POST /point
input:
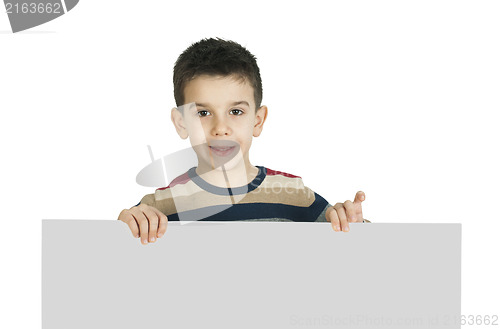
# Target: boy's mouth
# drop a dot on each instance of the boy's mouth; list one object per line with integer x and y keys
{"x": 222, "y": 151}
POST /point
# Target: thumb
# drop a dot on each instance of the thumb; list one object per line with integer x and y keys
{"x": 359, "y": 197}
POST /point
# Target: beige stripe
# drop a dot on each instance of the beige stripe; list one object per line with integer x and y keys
{"x": 148, "y": 199}
{"x": 200, "y": 200}
{"x": 178, "y": 190}
{"x": 279, "y": 181}
{"x": 166, "y": 206}
{"x": 303, "y": 197}
{"x": 189, "y": 196}
{"x": 295, "y": 197}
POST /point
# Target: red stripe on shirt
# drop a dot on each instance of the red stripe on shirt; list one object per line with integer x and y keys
{"x": 182, "y": 179}
{"x": 275, "y": 172}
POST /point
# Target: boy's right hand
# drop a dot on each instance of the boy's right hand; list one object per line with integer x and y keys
{"x": 145, "y": 221}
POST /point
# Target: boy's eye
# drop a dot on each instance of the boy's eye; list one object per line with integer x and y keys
{"x": 203, "y": 113}
{"x": 236, "y": 112}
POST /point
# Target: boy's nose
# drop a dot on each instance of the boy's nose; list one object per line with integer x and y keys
{"x": 220, "y": 128}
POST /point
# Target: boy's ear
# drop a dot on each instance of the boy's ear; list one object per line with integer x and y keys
{"x": 260, "y": 118}
{"x": 178, "y": 121}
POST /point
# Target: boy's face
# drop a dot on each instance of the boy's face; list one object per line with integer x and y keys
{"x": 220, "y": 120}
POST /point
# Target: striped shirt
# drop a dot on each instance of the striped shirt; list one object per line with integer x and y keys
{"x": 271, "y": 196}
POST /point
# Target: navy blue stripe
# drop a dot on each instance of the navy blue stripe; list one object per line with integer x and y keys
{"x": 225, "y": 191}
{"x": 254, "y": 211}
{"x": 318, "y": 205}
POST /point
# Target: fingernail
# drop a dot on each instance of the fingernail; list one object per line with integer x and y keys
{"x": 137, "y": 235}
{"x": 152, "y": 239}
{"x": 346, "y": 229}
{"x": 337, "y": 228}
{"x": 160, "y": 235}
{"x": 145, "y": 241}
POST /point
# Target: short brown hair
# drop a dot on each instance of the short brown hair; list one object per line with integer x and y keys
{"x": 216, "y": 57}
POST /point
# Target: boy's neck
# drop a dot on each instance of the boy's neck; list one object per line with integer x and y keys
{"x": 237, "y": 176}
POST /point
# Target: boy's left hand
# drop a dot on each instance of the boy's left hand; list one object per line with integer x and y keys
{"x": 342, "y": 214}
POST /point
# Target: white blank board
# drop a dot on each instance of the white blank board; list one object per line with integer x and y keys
{"x": 250, "y": 275}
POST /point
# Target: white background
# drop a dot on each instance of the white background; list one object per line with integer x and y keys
{"x": 395, "y": 98}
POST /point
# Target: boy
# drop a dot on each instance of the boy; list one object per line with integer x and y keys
{"x": 218, "y": 92}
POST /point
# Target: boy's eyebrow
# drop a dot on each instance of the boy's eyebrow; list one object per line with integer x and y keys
{"x": 232, "y": 104}
{"x": 240, "y": 102}
{"x": 202, "y": 105}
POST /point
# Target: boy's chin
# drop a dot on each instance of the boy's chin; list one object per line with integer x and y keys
{"x": 232, "y": 164}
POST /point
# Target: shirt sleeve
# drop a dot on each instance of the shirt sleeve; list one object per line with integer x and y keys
{"x": 317, "y": 210}
{"x": 322, "y": 216}
{"x": 148, "y": 199}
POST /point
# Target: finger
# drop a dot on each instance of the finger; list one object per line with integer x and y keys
{"x": 153, "y": 223}
{"x": 126, "y": 217}
{"x": 331, "y": 216}
{"x": 359, "y": 197}
{"x": 162, "y": 225}
{"x": 344, "y": 225}
{"x": 143, "y": 223}
{"x": 132, "y": 224}
{"x": 350, "y": 210}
